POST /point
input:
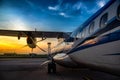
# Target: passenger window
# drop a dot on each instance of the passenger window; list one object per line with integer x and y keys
{"x": 91, "y": 27}
{"x": 103, "y": 20}
{"x": 84, "y": 31}
{"x": 118, "y": 12}
{"x": 78, "y": 35}
{"x": 82, "y": 34}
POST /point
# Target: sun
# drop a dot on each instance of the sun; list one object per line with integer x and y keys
{"x": 18, "y": 24}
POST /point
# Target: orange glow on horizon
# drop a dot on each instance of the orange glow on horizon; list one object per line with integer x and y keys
{"x": 12, "y": 44}
{"x": 92, "y": 41}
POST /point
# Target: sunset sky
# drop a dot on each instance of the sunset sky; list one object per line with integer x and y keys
{"x": 12, "y": 44}
{"x": 44, "y": 15}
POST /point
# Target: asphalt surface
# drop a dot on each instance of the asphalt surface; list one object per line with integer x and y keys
{"x": 31, "y": 69}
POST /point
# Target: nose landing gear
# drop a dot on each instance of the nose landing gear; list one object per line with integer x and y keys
{"x": 51, "y": 64}
{"x": 51, "y": 67}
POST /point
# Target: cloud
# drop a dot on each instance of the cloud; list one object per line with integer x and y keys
{"x": 29, "y": 3}
{"x": 77, "y": 6}
{"x": 66, "y": 9}
{"x": 53, "y": 8}
{"x": 86, "y": 10}
{"x": 101, "y": 3}
{"x": 63, "y": 14}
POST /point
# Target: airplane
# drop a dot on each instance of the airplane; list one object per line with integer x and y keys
{"x": 95, "y": 44}
{"x": 32, "y": 35}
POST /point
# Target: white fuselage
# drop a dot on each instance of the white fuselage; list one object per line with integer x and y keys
{"x": 101, "y": 52}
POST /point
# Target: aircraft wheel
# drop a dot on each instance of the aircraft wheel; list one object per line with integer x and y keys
{"x": 54, "y": 68}
{"x": 51, "y": 67}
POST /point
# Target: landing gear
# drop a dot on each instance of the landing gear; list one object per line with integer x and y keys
{"x": 51, "y": 64}
{"x": 51, "y": 67}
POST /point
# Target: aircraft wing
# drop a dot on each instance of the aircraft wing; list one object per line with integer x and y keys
{"x": 47, "y": 34}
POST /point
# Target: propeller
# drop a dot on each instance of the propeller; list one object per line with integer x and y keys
{"x": 24, "y": 46}
{"x": 37, "y": 45}
{"x": 32, "y": 50}
{"x": 57, "y": 44}
{"x": 65, "y": 36}
{"x": 45, "y": 62}
{"x": 41, "y": 40}
{"x": 41, "y": 48}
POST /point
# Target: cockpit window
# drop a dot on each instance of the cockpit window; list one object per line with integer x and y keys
{"x": 118, "y": 12}
{"x": 103, "y": 20}
{"x": 91, "y": 27}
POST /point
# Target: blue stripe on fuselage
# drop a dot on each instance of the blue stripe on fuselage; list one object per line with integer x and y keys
{"x": 102, "y": 40}
{"x": 114, "y": 54}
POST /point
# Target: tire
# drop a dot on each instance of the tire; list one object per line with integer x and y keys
{"x": 51, "y": 67}
{"x": 54, "y": 68}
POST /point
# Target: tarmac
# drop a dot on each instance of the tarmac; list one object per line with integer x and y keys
{"x": 31, "y": 69}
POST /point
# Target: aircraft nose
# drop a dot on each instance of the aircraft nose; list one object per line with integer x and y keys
{"x": 64, "y": 60}
{"x": 59, "y": 56}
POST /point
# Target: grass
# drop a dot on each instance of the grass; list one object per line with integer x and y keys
{"x": 23, "y": 56}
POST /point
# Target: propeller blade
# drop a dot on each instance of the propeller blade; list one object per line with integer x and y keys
{"x": 24, "y": 46}
{"x": 45, "y": 62}
{"x": 58, "y": 44}
{"x": 40, "y": 40}
{"x": 41, "y": 48}
{"x": 32, "y": 40}
{"x": 21, "y": 47}
{"x": 32, "y": 50}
